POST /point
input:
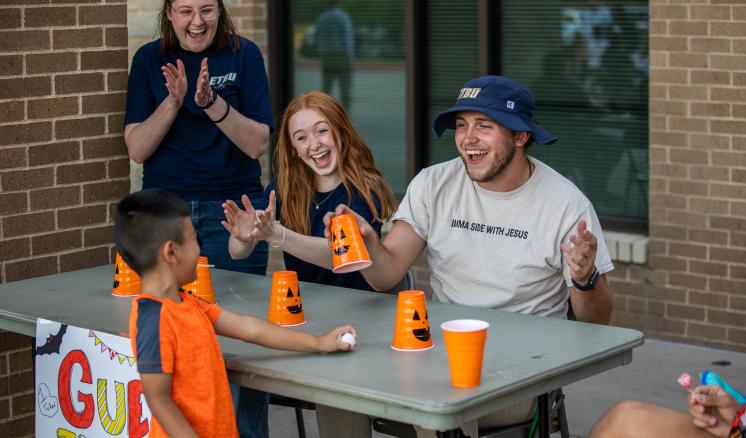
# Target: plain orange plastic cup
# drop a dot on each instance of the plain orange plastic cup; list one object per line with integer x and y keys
{"x": 202, "y": 286}
{"x": 465, "y": 340}
{"x": 285, "y": 307}
{"x": 411, "y": 328}
{"x": 126, "y": 281}
{"x": 348, "y": 249}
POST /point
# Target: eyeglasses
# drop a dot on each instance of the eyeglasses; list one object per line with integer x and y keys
{"x": 302, "y": 138}
{"x": 187, "y": 14}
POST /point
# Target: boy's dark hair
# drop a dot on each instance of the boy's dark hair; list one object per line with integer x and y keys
{"x": 143, "y": 222}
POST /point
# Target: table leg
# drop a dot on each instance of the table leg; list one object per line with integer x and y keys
{"x": 455, "y": 433}
{"x": 544, "y": 416}
{"x": 301, "y": 424}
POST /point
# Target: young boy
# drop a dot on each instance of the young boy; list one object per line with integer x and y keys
{"x": 173, "y": 333}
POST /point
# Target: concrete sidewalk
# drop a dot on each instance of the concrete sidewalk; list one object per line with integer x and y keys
{"x": 650, "y": 377}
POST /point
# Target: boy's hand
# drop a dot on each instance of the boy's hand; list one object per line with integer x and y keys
{"x": 240, "y": 223}
{"x": 157, "y": 390}
{"x": 712, "y": 409}
{"x": 331, "y": 341}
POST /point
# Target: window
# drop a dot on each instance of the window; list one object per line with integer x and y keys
{"x": 355, "y": 51}
{"x": 585, "y": 60}
{"x": 452, "y": 59}
{"x": 587, "y": 64}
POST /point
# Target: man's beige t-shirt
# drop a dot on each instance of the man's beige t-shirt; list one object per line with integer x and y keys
{"x": 499, "y": 250}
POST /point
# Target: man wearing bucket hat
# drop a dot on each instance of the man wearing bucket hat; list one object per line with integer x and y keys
{"x": 503, "y": 230}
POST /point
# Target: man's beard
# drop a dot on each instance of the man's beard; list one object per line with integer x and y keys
{"x": 496, "y": 168}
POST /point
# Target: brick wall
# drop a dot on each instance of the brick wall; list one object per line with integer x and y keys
{"x": 63, "y": 164}
{"x": 695, "y": 288}
{"x": 16, "y": 386}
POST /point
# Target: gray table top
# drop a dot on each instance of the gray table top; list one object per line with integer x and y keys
{"x": 525, "y": 355}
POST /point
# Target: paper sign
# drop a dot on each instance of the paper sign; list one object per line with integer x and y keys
{"x": 87, "y": 384}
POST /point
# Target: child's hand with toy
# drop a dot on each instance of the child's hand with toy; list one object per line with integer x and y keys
{"x": 712, "y": 405}
{"x": 712, "y": 409}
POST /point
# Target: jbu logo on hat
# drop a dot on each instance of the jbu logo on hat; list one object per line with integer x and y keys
{"x": 505, "y": 101}
{"x": 469, "y": 93}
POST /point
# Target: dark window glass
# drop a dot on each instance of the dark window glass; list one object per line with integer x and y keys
{"x": 452, "y": 59}
{"x": 587, "y": 64}
{"x": 355, "y": 51}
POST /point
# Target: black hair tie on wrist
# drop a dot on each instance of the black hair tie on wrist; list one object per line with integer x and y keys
{"x": 227, "y": 110}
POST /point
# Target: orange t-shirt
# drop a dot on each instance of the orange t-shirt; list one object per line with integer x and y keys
{"x": 179, "y": 339}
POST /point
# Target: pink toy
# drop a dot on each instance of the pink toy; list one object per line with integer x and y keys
{"x": 685, "y": 380}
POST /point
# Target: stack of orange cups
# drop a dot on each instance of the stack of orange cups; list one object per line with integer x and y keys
{"x": 126, "y": 281}
{"x": 285, "y": 307}
{"x": 348, "y": 249}
{"x": 202, "y": 286}
{"x": 412, "y": 328}
{"x": 465, "y": 340}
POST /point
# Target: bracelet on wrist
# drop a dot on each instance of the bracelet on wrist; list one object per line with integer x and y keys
{"x": 590, "y": 284}
{"x": 227, "y": 110}
{"x": 275, "y": 244}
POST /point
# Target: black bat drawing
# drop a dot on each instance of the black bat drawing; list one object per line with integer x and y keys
{"x": 53, "y": 342}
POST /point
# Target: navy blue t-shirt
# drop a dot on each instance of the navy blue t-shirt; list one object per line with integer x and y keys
{"x": 327, "y": 202}
{"x": 195, "y": 159}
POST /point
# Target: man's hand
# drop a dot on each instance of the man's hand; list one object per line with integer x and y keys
{"x": 581, "y": 255}
{"x": 366, "y": 231}
{"x": 176, "y": 82}
{"x": 712, "y": 409}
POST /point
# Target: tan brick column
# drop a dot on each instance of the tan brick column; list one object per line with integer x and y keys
{"x": 63, "y": 164}
{"x": 697, "y": 173}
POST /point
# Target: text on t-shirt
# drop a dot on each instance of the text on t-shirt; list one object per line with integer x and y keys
{"x": 489, "y": 229}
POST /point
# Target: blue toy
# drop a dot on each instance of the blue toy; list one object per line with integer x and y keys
{"x": 711, "y": 378}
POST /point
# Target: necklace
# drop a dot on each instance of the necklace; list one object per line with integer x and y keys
{"x": 318, "y": 204}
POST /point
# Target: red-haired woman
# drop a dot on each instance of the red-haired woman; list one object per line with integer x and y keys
{"x": 321, "y": 162}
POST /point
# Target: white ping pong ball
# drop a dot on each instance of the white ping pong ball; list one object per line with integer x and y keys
{"x": 348, "y": 338}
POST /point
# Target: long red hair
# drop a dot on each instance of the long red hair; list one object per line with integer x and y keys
{"x": 296, "y": 182}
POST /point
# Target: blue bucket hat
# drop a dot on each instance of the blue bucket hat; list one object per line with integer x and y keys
{"x": 503, "y": 100}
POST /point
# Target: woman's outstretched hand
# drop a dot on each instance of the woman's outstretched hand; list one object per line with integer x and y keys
{"x": 265, "y": 227}
{"x": 239, "y": 222}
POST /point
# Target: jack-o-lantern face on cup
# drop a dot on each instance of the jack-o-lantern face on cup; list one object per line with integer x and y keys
{"x": 348, "y": 250}
{"x": 412, "y": 328}
{"x": 126, "y": 281}
{"x": 339, "y": 243}
{"x": 294, "y": 299}
{"x": 285, "y": 307}
{"x": 422, "y": 333}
